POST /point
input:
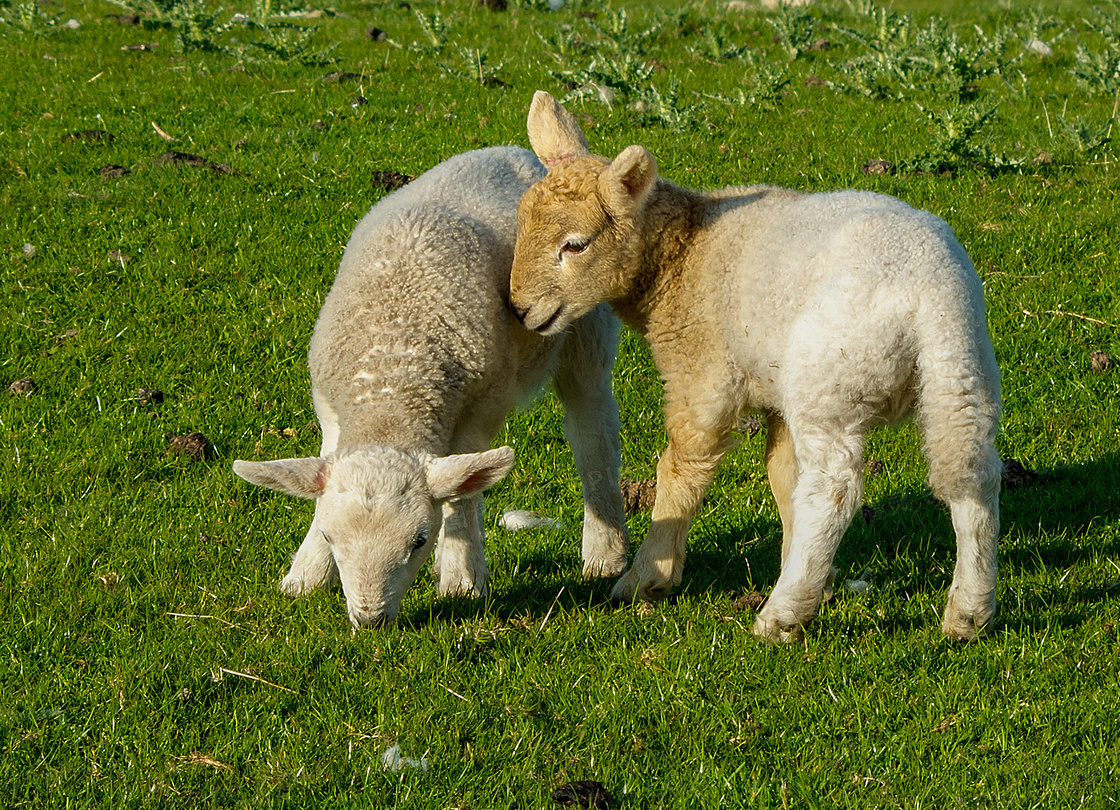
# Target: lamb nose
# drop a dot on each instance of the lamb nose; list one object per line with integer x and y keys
{"x": 518, "y": 312}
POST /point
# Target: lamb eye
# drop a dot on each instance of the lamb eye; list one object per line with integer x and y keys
{"x": 420, "y": 540}
{"x": 574, "y": 247}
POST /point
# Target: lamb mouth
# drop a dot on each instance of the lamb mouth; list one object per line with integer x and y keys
{"x": 548, "y": 323}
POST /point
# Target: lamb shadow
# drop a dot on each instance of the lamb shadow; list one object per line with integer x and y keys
{"x": 547, "y": 582}
{"x": 908, "y": 539}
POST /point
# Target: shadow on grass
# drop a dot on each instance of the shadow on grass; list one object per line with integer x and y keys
{"x": 909, "y": 542}
{"x": 549, "y": 582}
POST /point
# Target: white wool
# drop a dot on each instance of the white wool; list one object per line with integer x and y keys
{"x": 415, "y": 362}
{"x": 829, "y": 313}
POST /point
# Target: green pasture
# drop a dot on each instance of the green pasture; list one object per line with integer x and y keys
{"x": 147, "y": 657}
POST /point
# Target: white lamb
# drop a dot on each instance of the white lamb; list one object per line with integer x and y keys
{"x": 415, "y": 362}
{"x": 828, "y": 312}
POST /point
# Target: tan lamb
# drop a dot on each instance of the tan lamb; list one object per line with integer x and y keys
{"x": 415, "y": 363}
{"x": 830, "y": 313}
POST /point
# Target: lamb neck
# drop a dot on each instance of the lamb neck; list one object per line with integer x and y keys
{"x": 666, "y": 230}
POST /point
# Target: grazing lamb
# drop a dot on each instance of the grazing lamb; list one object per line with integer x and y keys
{"x": 830, "y": 313}
{"x": 415, "y": 362}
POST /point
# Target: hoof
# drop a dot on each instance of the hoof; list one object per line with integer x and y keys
{"x": 631, "y": 589}
{"x": 463, "y": 588}
{"x": 967, "y": 622}
{"x": 295, "y": 587}
{"x": 602, "y": 569}
{"x": 623, "y": 591}
{"x": 962, "y": 627}
{"x": 769, "y": 627}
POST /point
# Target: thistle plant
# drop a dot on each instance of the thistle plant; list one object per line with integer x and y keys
{"x": 1098, "y": 71}
{"x": 435, "y": 30}
{"x": 794, "y": 28}
{"x": 473, "y": 65}
{"x": 959, "y": 142}
{"x": 716, "y": 45}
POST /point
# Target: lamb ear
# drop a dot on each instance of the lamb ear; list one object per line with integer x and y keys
{"x": 626, "y": 183}
{"x": 553, "y": 132}
{"x": 302, "y": 477}
{"x": 459, "y": 476}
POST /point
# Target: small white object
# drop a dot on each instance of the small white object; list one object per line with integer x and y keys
{"x": 1040, "y": 47}
{"x": 72, "y": 24}
{"x": 514, "y": 520}
{"x": 240, "y": 19}
{"x": 860, "y": 585}
{"x": 606, "y": 94}
{"x": 555, "y": 5}
{"x": 29, "y": 250}
{"x": 392, "y": 760}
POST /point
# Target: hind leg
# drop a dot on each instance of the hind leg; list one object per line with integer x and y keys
{"x": 781, "y": 473}
{"x": 591, "y": 425}
{"x": 964, "y": 471}
{"x": 827, "y": 492}
{"x": 971, "y": 605}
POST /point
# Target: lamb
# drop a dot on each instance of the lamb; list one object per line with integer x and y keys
{"x": 828, "y": 312}
{"x": 415, "y": 362}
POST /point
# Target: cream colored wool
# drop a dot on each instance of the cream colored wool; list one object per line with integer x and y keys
{"x": 415, "y": 363}
{"x": 829, "y": 313}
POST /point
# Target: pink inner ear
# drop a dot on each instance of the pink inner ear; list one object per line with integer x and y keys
{"x": 550, "y": 162}
{"x": 320, "y": 482}
{"x": 476, "y": 480}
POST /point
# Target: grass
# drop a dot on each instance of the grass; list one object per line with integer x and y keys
{"x": 148, "y": 658}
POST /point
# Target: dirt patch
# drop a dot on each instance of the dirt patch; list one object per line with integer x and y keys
{"x": 94, "y": 135}
{"x": 148, "y": 396}
{"x": 339, "y": 76}
{"x": 751, "y": 600}
{"x": 637, "y": 496}
{"x": 113, "y": 170}
{"x": 390, "y": 180}
{"x": 878, "y": 166}
{"x": 749, "y": 425}
{"x": 376, "y": 34}
{"x": 1100, "y": 361}
{"x": 22, "y": 388}
{"x": 874, "y": 467}
{"x": 187, "y": 159}
{"x": 1016, "y": 475}
{"x": 585, "y": 793}
{"x": 142, "y": 46}
{"x": 194, "y": 445}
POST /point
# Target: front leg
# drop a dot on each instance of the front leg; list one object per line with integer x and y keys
{"x": 312, "y": 565}
{"x": 460, "y": 556}
{"x": 683, "y": 474}
{"x": 591, "y": 425}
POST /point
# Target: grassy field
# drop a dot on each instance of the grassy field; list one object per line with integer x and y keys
{"x": 146, "y": 655}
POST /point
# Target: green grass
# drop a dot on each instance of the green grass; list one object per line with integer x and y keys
{"x": 148, "y": 658}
